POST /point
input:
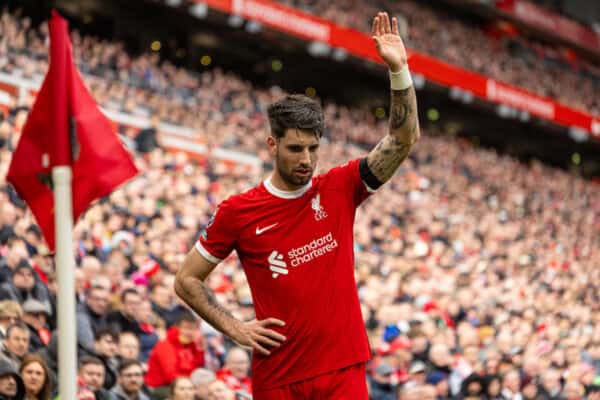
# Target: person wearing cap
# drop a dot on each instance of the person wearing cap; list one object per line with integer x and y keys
{"x": 16, "y": 345}
{"x": 439, "y": 380}
{"x": 11, "y": 383}
{"x": 24, "y": 285}
{"x": 35, "y": 317}
{"x": 417, "y": 372}
{"x": 380, "y": 383}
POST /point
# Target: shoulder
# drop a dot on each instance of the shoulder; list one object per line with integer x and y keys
{"x": 341, "y": 172}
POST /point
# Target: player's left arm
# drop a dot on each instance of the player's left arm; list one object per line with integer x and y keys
{"x": 386, "y": 157}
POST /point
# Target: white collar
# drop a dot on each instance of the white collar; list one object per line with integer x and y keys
{"x": 286, "y": 194}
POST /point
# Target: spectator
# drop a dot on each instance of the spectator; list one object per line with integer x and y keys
{"x": 380, "y": 384}
{"x": 11, "y": 384}
{"x": 124, "y": 319}
{"x": 551, "y": 387}
{"x": 16, "y": 345}
{"x": 91, "y": 317}
{"x": 131, "y": 381}
{"x": 129, "y": 346}
{"x": 573, "y": 391}
{"x": 181, "y": 389}
{"x": 105, "y": 346}
{"x": 439, "y": 380}
{"x": 91, "y": 376}
{"x": 236, "y": 369}
{"x": 10, "y": 313}
{"x": 24, "y": 286}
{"x": 36, "y": 378}
{"x": 35, "y": 317}
{"x": 201, "y": 379}
{"x": 162, "y": 303}
{"x": 511, "y": 384}
{"x": 176, "y": 355}
{"x": 218, "y": 390}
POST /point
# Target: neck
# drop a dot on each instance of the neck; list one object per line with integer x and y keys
{"x": 278, "y": 182}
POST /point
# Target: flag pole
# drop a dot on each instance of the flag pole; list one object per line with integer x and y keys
{"x": 65, "y": 264}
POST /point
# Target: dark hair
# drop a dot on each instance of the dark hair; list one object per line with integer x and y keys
{"x": 187, "y": 316}
{"x": 16, "y": 325}
{"x": 127, "y": 291}
{"x": 296, "y": 111}
{"x": 85, "y": 360}
{"x": 126, "y": 363}
{"x": 106, "y": 331}
{"x": 45, "y": 392}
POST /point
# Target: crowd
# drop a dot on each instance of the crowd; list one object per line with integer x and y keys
{"x": 478, "y": 276}
{"x": 542, "y": 69}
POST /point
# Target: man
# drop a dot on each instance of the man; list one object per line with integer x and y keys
{"x": 235, "y": 371}
{"x": 129, "y": 346}
{"x": 35, "y": 317}
{"x": 11, "y": 384}
{"x": 201, "y": 379}
{"x": 124, "y": 319}
{"x": 105, "y": 346}
{"x": 162, "y": 303}
{"x": 24, "y": 285}
{"x": 91, "y": 317}
{"x": 294, "y": 236}
{"x": 16, "y": 345}
{"x": 176, "y": 355}
{"x": 381, "y": 382}
{"x": 551, "y": 386}
{"x": 131, "y": 381}
{"x": 91, "y": 376}
{"x": 511, "y": 385}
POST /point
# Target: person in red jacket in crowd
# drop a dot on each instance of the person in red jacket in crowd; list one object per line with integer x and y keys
{"x": 235, "y": 371}
{"x": 176, "y": 355}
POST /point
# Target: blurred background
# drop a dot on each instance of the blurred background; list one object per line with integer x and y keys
{"x": 477, "y": 265}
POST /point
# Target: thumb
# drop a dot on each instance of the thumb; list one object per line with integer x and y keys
{"x": 377, "y": 42}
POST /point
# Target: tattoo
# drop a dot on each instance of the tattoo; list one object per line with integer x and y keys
{"x": 202, "y": 300}
{"x": 389, "y": 153}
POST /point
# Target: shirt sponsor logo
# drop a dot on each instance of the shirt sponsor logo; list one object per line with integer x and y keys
{"x": 314, "y": 249}
{"x": 315, "y": 204}
{"x": 277, "y": 265}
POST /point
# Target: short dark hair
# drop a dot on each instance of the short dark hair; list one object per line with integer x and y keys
{"x": 296, "y": 111}
{"x": 85, "y": 360}
{"x": 185, "y": 316}
{"x": 126, "y": 363}
{"x": 106, "y": 331}
{"x": 128, "y": 291}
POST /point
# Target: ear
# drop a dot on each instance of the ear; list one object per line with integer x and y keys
{"x": 272, "y": 143}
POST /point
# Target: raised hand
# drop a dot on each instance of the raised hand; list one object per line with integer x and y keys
{"x": 388, "y": 41}
{"x": 256, "y": 335}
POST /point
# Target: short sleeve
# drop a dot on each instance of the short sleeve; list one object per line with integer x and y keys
{"x": 218, "y": 239}
{"x": 348, "y": 175}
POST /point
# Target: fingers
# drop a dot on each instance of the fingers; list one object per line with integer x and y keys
{"x": 386, "y": 23}
{"x": 265, "y": 340}
{"x": 395, "y": 26}
{"x": 375, "y": 25}
{"x": 271, "y": 333}
{"x": 272, "y": 321}
{"x": 259, "y": 348}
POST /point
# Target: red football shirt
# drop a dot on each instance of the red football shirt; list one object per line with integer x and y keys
{"x": 297, "y": 251}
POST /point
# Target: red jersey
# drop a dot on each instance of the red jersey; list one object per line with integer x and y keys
{"x": 297, "y": 251}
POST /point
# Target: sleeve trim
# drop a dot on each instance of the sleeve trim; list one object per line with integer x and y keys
{"x": 204, "y": 253}
{"x": 366, "y": 175}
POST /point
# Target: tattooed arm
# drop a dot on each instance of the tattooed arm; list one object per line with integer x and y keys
{"x": 190, "y": 285}
{"x": 404, "y": 132}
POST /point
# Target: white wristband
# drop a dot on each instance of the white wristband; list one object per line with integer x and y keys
{"x": 401, "y": 80}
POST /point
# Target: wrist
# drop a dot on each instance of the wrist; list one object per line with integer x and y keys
{"x": 400, "y": 79}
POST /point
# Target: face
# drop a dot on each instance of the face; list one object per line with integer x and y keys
{"x": 34, "y": 377}
{"x": 184, "y": 390}
{"x": 296, "y": 156}
{"x": 92, "y": 375}
{"x": 131, "y": 304}
{"x": 98, "y": 301}
{"x": 23, "y": 279}
{"x": 187, "y": 331}
{"x": 18, "y": 342}
{"x": 129, "y": 346}
{"x": 238, "y": 363}
{"x": 106, "y": 346}
{"x": 8, "y": 319}
{"x": 131, "y": 379}
{"x": 219, "y": 391}
{"x": 8, "y": 385}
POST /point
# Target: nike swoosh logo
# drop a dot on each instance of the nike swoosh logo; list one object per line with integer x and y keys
{"x": 266, "y": 228}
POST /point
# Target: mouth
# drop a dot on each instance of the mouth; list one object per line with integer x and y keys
{"x": 302, "y": 172}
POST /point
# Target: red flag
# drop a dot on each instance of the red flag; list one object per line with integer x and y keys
{"x": 65, "y": 127}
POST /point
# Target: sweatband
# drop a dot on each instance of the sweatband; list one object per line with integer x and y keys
{"x": 401, "y": 80}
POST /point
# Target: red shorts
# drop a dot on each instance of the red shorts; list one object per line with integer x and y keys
{"x": 348, "y": 383}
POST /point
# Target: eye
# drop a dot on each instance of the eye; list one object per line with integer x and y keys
{"x": 295, "y": 148}
{"x": 313, "y": 148}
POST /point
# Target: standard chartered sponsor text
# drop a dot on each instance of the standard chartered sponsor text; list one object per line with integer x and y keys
{"x": 312, "y": 250}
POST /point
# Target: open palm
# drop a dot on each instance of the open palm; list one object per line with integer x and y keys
{"x": 388, "y": 41}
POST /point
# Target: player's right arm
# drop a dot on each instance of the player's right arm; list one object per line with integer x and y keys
{"x": 190, "y": 285}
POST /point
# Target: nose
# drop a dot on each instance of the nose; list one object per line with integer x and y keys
{"x": 305, "y": 157}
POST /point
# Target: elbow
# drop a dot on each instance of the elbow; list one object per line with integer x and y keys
{"x": 179, "y": 286}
